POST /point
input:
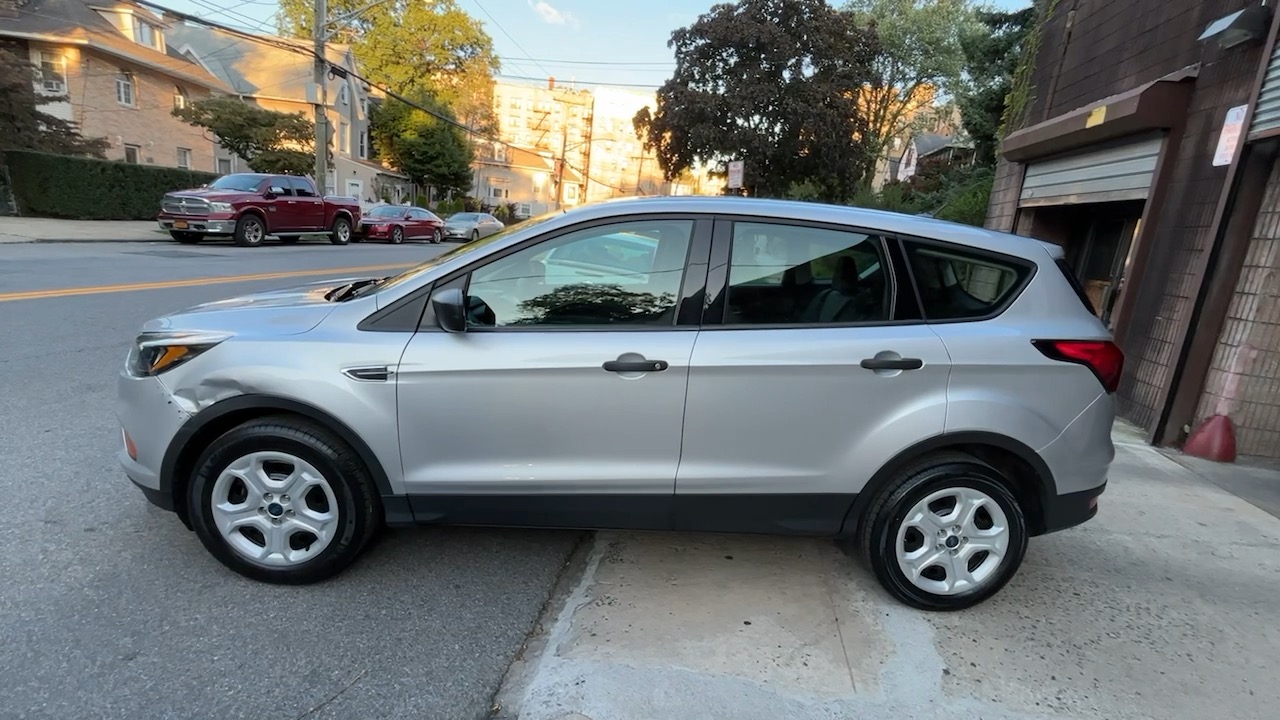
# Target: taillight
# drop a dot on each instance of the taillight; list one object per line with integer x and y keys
{"x": 1103, "y": 357}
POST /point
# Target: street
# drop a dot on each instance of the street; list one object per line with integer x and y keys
{"x": 111, "y": 608}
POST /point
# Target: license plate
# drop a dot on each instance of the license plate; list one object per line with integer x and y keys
{"x": 180, "y": 224}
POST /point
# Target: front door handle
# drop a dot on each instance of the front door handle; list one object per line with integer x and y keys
{"x": 892, "y": 363}
{"x": 635, "y": 366}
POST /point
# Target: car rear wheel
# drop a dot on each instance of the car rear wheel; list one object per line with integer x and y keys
{"x": 340, "y": 233}
{"x": 281, "y": 500}
{"x": 945, "y": 534}
{"x": 186, "y": 238}
{"x": 397, "y": 235}
{"x": 250, "y": 231}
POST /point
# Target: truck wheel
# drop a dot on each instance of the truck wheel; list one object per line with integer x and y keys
{"x": 249, "y": 231}
{"x": 341, "y": 232}
{"x": 186, "y": 238}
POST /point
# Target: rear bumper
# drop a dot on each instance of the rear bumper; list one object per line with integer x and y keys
{"x": 1065, "y": 511}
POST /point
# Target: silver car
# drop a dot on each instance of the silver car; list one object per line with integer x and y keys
{"x": 471, "y": 226}
{"x": 935, "y": 392}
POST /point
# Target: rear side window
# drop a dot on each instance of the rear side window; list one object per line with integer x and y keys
{"x": 958, "y": 285}
{"x": 1075, "y": 285}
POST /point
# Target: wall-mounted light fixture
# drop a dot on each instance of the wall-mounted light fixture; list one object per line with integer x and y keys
{"x": 1240, "y": 27}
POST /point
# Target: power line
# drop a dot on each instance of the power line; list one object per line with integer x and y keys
{"x": 661, "y": 63}
{"x": 581, "y": 82}
{"x": 509, "y": 37}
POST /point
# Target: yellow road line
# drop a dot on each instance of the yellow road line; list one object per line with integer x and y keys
{"x": 191, "y": 282}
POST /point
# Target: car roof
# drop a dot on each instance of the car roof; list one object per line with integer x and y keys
{"x": 866, "y": 218}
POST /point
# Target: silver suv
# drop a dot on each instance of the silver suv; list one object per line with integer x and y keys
{"x": 936, "y": 392}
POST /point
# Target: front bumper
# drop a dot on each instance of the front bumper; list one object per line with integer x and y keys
{"x": 149, "y": 420}
{"x": 374, "y": 233}
{"x": 208, "y": 226}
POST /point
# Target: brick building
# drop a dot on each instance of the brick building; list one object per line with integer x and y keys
{"x": 115, "y": 75}
{"x": 1149, "y": 151}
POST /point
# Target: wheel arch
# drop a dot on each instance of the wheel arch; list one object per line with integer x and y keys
{"x": 195, "y": 436}
{"x": 262, "y": 216}
{"x": 1033, "y": 482}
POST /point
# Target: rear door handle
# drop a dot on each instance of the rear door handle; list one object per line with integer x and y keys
{"x": 892, "y": 363}
{"x": 635, "y": 365}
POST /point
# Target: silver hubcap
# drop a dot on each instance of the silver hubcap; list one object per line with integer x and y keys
{"x": 952, "y": 541}
{"x": 253, "y": 231}
{"x": 344, "y": 231}
{"x": 274, "y": 509}
{"x": 397, "y": 234}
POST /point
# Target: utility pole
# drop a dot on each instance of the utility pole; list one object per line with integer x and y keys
{"x": 322, "y": 98}
{"x": 564, "y": 143}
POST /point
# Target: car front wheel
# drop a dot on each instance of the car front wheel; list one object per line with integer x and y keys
{"x": 281, "y": 500}
{"x": 249, "y": 231}
{"x": 436, "y": 236}
{"x": 945, "y": 534}
{"x": 397, "y": 235}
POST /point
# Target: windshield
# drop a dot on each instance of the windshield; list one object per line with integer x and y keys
{"x": 387, "y": 211}
{"x": 243, "y": 183}
{"x": 478, "y": 246}
{"x": 464, "y": 217}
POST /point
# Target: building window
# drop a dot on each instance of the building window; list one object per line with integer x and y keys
{"x": 132, "y": 153}
{"x": 363, "y": 137}
{"x": 53, "y": 72}
{"x": 499, "y": 193}
{"x": 180, "y": 99}
{"x": 224, "y": 166}
{"x": 344, "y": 138}
{"x": 124, "y": 89}
{"x": 499, "y": 152}
{"x": 571, "y": 193}
{"x": 342, "y": 95}
{"x": 146, "y": 34}
{"x": 184, "y": 158}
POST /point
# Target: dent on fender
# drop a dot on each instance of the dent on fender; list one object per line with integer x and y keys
{"x": 209, "y": 391}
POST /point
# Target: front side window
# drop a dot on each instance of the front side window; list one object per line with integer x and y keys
{"x": 279, "y": 186}
{"x": 625, "y": 274}
{"x": 124, "y": 89}
{"x": 53, "y": 72}
{"x": 787, "y": 274}
{"x": 955, "y": 284}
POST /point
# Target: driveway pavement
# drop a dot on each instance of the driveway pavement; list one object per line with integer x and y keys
{"x": 1165, "y": 606}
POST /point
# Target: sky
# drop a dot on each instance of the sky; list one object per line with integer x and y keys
{"x": 587, "y": 42}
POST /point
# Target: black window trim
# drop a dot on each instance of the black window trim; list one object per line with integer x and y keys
{"x": 692, "y": 288}
{"x": 1030, "y": 265}
{"x": 717, "y": 309}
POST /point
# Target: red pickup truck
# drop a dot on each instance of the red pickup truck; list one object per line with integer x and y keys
{"x": 251, "y": 206}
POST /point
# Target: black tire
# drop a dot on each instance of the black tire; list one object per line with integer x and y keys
{"x": 436, "y": 236}
{"x": 250, "y": 231}
{"x": 879, "y": 527}
{"x": 359, "y": 511}
{"x": 340, "y": 233}
{"x": 397, "y": 235}
{"x": 475, "y": 235}
{"x": 186, "y": 238}
{"x": 290, "y": 240}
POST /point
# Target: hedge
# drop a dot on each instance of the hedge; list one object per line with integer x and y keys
{"x": 62, "y": 186}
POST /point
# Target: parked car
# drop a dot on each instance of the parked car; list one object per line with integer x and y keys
{"x": 250, "y": 206}
{"x": 397, "y": 223}
{"x": 471, "y": 226}
{"x": 935, "y": 392}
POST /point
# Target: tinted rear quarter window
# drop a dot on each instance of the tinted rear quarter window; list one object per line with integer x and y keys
{"x": 1075, "y": 285}
{"x": 957, "y": 284}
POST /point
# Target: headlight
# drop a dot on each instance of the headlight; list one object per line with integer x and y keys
{"x": 221, "y": 207}
{"x": 154, "y": 353}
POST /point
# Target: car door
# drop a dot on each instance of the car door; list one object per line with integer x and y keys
{"x": 419, "y": 225}
{"x": 812, "y": 369}
{"x": 282, "y": 207}
{"x": 562, "y": 403}
{"x": 308, "y": 207}
{"x": 489, "y": 225}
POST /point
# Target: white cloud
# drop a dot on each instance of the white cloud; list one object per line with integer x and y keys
{"x": 551, "y": 15}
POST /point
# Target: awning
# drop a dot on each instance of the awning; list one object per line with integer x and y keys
{"x": 1155, "y": 105}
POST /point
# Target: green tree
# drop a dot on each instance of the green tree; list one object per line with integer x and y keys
{"x": 23, "y": 126}
{"x": 991, "y": 55}
{"x": 430, "y": 151}
{"x": 270, "y": 141}
{"x": 413, "y": 46}
{"x": 770, "y": 82}
{"x": 920, "y": 56}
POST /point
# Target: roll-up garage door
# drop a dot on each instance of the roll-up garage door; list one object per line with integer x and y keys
{"x": 1119, "y": 171}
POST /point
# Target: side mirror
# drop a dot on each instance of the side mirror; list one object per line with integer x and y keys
{"x": 408, "y": 216}
{"x": 449, "y": 307}
{"x": 267, "y": 194}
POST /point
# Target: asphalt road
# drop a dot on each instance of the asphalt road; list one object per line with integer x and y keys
{"x": 110, "y": 608}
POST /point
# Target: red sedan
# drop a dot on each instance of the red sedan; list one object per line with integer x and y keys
{"x": 397, "y": 223}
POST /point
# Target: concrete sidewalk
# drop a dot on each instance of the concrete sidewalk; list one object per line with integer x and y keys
{"x": 28, "y": 230}
{"x": 1167, "y": 605}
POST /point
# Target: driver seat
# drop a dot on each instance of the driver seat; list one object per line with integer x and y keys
{"x": 838, "y": 303}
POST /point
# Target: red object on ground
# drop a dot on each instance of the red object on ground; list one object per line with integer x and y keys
{"x": 1215, "y": 440}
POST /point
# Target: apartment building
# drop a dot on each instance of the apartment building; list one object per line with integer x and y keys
{"x": 279, "y": 79}
{"x": 118, "y": 77}
{"x": 620, "y": 164}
